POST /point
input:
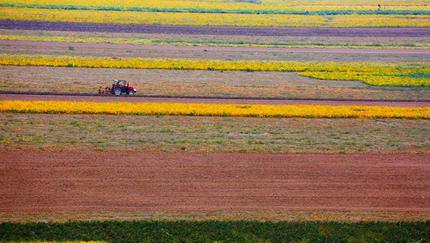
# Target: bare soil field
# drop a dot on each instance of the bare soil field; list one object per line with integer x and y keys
{"x": 216, "y": 30}
{"x": 171, "y": 182}
{"x": 208, "y": 52}
{"x": 57, "y": 132}
{"x": 197, "y": 83}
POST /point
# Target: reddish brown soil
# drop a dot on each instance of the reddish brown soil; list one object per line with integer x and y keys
{"x": 156, "y": 181}
{"x": 216, "y": 30}
{"x": 213, "y": 100}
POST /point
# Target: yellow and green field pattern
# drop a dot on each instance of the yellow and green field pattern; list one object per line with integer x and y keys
{"x": 306, "y": 5}
{"x": 378, "y": 74}
{"x": 185, "y": 109}
{"x": 162, "y": 42}
{"x": 214, "y": 19}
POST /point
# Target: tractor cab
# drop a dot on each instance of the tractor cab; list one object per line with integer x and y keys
{"x": 120, "y": 83}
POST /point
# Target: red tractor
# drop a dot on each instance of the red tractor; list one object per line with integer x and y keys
{"x": 118, "y": 87}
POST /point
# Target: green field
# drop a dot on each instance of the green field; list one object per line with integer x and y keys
{"x": 212, "y": 133}
{"x": 218, "y": 231}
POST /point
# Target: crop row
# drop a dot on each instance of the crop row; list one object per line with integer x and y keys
{"x": 161, "y": 8}
{"x": 215, "y": 19}
{"x": 180, "y": 109}
{"x": 408, "y": 74}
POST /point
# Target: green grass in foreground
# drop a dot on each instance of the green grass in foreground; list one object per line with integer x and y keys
{"x": 220, "y": 231}
{"x": 212, "y": 134}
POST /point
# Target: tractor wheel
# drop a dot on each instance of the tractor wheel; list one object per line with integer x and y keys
{"x": 117, "y": 92}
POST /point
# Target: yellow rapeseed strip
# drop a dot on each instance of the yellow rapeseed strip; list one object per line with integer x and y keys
{"x": 402, "y": 74}
{"x": 183, "y": 109}
{"x": 215, "y": 19}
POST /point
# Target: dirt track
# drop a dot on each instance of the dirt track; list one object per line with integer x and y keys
{"x": 155, "y": 181}
{"x": 214, "y": 100}
{"x": 216, "y": 30}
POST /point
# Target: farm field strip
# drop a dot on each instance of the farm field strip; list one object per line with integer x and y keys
{"x": 214, "y": 230}
{"x": 215, "y": 52}
{"x": 203, "y": 19}
{"x": 196, "y": 216}
{"x": 407, "y": 48}
{"x": 408, "y": 74}
{"x": 189, "y": 109}
{"x": 228, "y": 40}
{"x": 223, "y": 31}
{"x": 71, "y": 132}
{"x": 94, "y": 97}
{"x": 196, "y": 83}
{"x": 186, "y": 181}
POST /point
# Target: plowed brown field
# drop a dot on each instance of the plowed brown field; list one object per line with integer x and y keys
{"x": 155, "y": 181}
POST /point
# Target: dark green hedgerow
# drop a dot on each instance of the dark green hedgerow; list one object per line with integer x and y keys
{"x": 224, "y": 231}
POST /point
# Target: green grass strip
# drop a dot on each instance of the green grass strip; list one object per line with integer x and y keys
{"x": 221, "y": 231}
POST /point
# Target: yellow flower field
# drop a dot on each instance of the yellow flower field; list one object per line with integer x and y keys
{"x": 214, "y": 19}
{"x": 179, "y": 109}
{"x": 375, "y": 79}
{"x": 370, "y": 73}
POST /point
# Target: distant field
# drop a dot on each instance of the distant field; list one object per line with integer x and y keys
{"x": 392, "y": 55}
{"x": 216, "y": 19}
{"x": 217, "y": 40}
